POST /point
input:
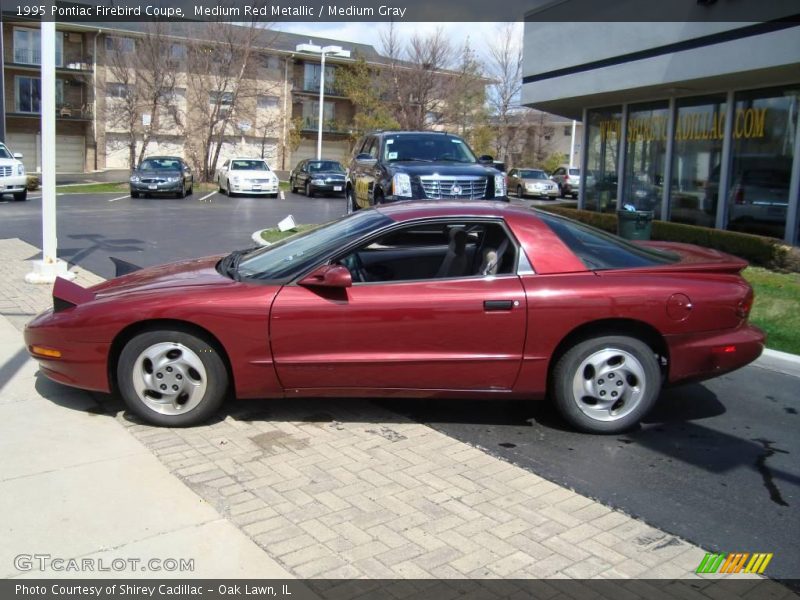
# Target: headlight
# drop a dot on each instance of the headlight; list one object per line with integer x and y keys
{"x": 401, "y": 185}
{"x": 235, "y": 180}
{"x": 173, "y": 179}
{"x": 135, "y": 179}
{"x": 20, "y": 169}
{"x": 499, "y": 186}
{"x": 318, "y": 181}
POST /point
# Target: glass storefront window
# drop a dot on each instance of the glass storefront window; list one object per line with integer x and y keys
{"x": 764, "y": 129}
{"x": 602, "y": 159}
{"x": 645, "y": 154}
{"x": 697, "y": 156}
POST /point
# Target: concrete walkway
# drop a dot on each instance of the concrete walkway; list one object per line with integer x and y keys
{"x": 286, "y": 488}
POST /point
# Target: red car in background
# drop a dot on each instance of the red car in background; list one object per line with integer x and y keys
{"x": 448, "y": 299}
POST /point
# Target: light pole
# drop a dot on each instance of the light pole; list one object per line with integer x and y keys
{"x": 334, "y": 51}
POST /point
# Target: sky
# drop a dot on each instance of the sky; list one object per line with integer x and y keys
{"x": 369, "y": 33}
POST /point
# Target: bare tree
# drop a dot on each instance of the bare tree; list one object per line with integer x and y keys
{"x": 466, "y": 94}
{"x": 140, "y": 88}
{"x": 417, "y": 88}
{"x": 505, "y": 68}
{"x": 222, "y": 90}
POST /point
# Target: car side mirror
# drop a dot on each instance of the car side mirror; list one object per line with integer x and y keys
{"x": 365, "y": 157}
{"x": 333, "y": 276}
{"x": 18, "y": 155}
{"x": 486, "y": 159}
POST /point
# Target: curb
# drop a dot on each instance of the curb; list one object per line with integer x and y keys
{"x": 256, "y": 237}
{"x": 781, "y": 362}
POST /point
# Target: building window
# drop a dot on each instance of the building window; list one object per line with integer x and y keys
{"x": 696, "y": 159}
{"x": 764, "y": 129}
{"x": 222, "y": 99}
{"x": 28, "y": 94}
{"x": 433, "y": 118}
{"x": 311, "y": 76}
{"x": 645, "y": 156}
{"x": 311, "y": 116}
{"x": 602, "y": 158}
{"x": 568, "y": 130}
{"x": 268, "y": 102}
{"x": 123, "y": 45}
{"x": 273, "y": 63}
{"x": 118, "y": 90}
{"x": 27, "y": 47}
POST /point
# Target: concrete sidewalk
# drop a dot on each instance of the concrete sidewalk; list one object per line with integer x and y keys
{"x": 306, "y": 488}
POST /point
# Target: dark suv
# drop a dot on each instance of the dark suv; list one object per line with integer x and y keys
{"x": 390, "y": 166}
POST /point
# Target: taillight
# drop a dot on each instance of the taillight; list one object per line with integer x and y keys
{"x": 566, "y": 177}
{"x": 739, "y": 197}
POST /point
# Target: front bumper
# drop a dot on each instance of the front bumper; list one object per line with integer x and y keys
{"x": 13, "y": 183}
{"x": 334, "y": 187}
{"x": 550, "y": 193}
{"x": 702, "y": 356}
{"x": 157, "y": 188}
{"x": 246, "y": 187}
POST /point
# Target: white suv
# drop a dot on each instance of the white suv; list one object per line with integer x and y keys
{"x": 12, "y": 174}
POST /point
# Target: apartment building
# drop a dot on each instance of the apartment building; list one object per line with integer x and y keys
{"x": 94, "y": 127}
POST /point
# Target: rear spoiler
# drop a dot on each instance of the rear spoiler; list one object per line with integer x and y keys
{"x": 68, "y": 295}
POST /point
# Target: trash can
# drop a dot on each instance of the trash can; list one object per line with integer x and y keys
{"x": 635, "y": 224}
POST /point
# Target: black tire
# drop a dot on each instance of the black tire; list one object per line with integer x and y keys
{"x": 219, "y": 185}
{"x": 350, "y": 200}
{"x": 377, "y": 198}
{"x": 520, "y": 193}
{"x": 574, "y": 410}
{"x": 134, "y": 194}
{"x": 182, "y": 193}
{"x": 21, "y": 196}
{"x": 560, "y": 191}
{"x": 574, "y": 196}
{"x": 273, "y": 195}
{"x": 292, "y": 186}
{"x": 146, "y": 195}
{"x": 217, "y": 382}
{"x": 309, "y": 192}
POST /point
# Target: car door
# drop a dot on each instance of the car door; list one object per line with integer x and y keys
{"x": 512, "y": 180}
{"x": 364, "y": 166}
{"x": 430, "y": 333}
{"x": 222, "y": 178}
{"x": 301, "y": 175}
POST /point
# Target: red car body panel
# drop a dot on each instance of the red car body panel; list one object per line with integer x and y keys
{"x": 422, "y": 338}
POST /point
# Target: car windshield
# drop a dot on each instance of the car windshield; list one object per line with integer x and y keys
{"x": 575, "y": 172}
{"x": 4, "y": 153}
{"x": 600, "y": 250}
{"x": 426, "y": 147}
{"x": 249, "y": 165}
{"x": 530, "y": 174}
{"x": 325, "y": 165}
{"x": 160, "y": 164}
{"x": 297, "y": 253}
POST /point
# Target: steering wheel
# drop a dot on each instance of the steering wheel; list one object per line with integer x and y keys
{"x": 354, "y": 264}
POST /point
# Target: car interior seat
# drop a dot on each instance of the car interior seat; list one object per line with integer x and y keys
{"x": 455, "y": 261}
{"x": 492, "y": 259}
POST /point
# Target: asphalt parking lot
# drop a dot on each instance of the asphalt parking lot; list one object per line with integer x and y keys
{"x": 715, "y": 463}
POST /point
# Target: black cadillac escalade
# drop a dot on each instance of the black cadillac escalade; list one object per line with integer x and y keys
{"x": 391, "y": 166}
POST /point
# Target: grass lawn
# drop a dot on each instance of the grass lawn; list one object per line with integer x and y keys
{"x": 777, "y": 307}
{"x": 272, "y": 234}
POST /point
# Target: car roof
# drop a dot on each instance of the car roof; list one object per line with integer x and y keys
{"x": 247, "y": 158}
{"x": 404, "y": 132}
{"x": 163, "y": 157}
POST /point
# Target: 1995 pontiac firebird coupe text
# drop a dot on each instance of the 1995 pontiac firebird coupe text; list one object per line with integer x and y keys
{"x": 418, "y": 299}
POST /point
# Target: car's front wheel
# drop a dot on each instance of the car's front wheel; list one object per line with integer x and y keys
{"x": 309, "y": 192}
{"x": 606, "y": 384}
{"x": 171, "y": 378}
{"x": 350, "y": 200}
{"x": 21, "y": 196}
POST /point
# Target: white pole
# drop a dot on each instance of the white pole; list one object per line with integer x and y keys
{"x": 572, "y": 146}
{"x": 46, "y": 270}
{"x": 321, "y": 105}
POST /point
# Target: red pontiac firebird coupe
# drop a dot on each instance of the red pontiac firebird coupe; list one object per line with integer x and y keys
{"x": 449, "y": 299}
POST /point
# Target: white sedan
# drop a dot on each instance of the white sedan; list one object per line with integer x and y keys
{"x": 247, "y": 176}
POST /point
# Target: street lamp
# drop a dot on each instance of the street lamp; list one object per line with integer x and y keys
{"x": 334, "y": 51}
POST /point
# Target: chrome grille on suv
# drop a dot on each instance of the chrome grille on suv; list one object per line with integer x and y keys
{"x": 460, "y": 187}
{"x": 5, "y": 171}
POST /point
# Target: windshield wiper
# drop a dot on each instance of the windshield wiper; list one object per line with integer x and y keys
{"x": 230, "y": 264}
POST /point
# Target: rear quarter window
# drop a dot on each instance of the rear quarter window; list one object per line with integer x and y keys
{"x": 599, "y": 250}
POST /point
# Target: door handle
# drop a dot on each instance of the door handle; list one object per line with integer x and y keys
{"x": 492, "y": 305}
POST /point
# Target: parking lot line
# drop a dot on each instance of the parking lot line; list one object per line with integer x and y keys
{"x": 206, "y": 196}
{"x": 120, "y": 198}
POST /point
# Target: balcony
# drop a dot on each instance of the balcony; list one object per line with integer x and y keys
{"x": 310, "y": 85}
{"x": 328, "y": 126}
{"x": 65, "y": 112}
{"x": 23, "y": 57}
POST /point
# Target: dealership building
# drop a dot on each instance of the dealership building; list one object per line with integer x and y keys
{"x": 697, "y": 121}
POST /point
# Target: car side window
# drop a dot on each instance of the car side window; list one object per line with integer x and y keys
{"x": 371, "y": 147}
{"x": 440, "y": 250}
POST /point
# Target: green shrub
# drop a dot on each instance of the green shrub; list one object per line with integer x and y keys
{"x": 758, "y": 250}
{"x": 33, "y": 182}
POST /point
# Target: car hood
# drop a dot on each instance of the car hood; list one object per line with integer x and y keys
{"x": 188, "y": 273}
{"x": 445, "y": 169}
{"x": 249, "y": 174}
{"x": 8, "y": 161}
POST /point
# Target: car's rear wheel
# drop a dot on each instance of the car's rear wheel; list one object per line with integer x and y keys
{"x": 606, "y": 384}
{"x": 292, "y": 186}
{"x": 21, "y": 196}
{"x": 134, "y": 194}
{"x": 171, "y": 378}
